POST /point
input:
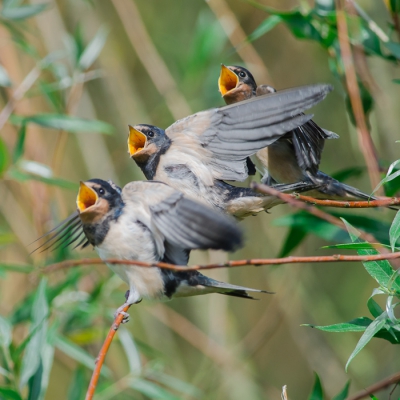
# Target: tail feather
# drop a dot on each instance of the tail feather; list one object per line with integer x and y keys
{"x": 231, "y": 290}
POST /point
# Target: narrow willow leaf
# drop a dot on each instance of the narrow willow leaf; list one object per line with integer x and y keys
{"x": 356, "y": 246}
{"x": 394, "y": 232}
{"x": 131, "y": 351}
{"x": 152, "y": 390}
{"x": 93, "y": 49}
{"x": 369, "y": 333}
{"x": 77, "y": 388}
{"x": 19, "y": 147}
{"x": 265, "y": 26}
{"x": 317, "y": 393}
{"x": 78, "y": 354}
{"x": 381, "y": 270}
{"x": 374, "y": 308}
{"x": 70, "y": 124}
{"x": 4, "y": 157}
{"x": 5, "y": 332}
{"x": 343, "y": 393}
{"x": 31, "y": 360}
{"x": 294, "y": 237}
{"x": 22, "y": 12}
{"x": 23, "y": 269}
{"x": 9, "y": 394}
{"x": 355, "y": 325}
{"x": 4, "y": 78}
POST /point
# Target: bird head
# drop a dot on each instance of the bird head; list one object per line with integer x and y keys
{"x": 96, "y": 198}
{"x": 236, "y": 84}
{"x": 144, "y": 141}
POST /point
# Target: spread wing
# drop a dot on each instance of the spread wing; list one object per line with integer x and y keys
{"x": 64, "y": 234}
{"x": 224, "y": 137}
{"x": 183, "y": 223}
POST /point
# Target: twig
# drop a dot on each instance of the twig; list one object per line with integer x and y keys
{"x": 364, "y": 137}
{"x": 288, "y": 198}
{"x": 383, "y": 384}
{"x": 150, "y": 58}
{"x": 18, "y": 94}
{"x": 388, "y": 201}
{"x": 102, "y": 354}
{"x": 237, "y": 37}
{"x": 234, "y": 263}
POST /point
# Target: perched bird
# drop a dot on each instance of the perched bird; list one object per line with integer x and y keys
{"x": 295, "y": 156}
{"x": 152, "y": 222}
{"x": 198, "y": 153}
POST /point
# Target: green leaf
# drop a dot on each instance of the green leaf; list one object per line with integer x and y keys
{"x": 294, "y": 237}
{"x": 324, "y": 6}
{"x": 343, "y": 393}
{"x": 77, "y": 388}
{"x": 31, "y": 360}
{"x": 152, "y": 390}
{"x": 176, "y": 384}
{"x": 374, "y": 308}
{"x": 265, "y": 26}
{"x": 393, "y": 47}
{"x": 35, "y": 383}
{"x": 30, "y": 170}
{"x": 78, "y": 354}
{"x": 369, "y": 333}
{"x": 4, "y": 78}
{"x": 19, "y": 147}
{"x": 381, "y": 270}
{"x": 9, "y": 394}
{"x": 5, "y": 332}
{"x": 69, "y": 123}
{"x": 23, "y": 269}
{"x": 356, "y": 246}
{"x": 317, "y": 393}
{"x": 394, "y": 232}
{"x": 130, "y": 350}
{"x": 22, "y": 12}
{"x": 93, "y": 49}
{"x": 355, "y": 325}
{"x": 4, "y": 157}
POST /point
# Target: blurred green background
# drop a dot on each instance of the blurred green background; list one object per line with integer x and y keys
{"x": 160, "y": 62}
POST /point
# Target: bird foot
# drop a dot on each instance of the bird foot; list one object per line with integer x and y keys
{"x": 120, "y": 310}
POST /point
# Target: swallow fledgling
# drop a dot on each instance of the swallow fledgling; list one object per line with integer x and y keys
{"x": 197, "y": 154}
{"x": 151, "y": 222}
{"x": 297, "y": 155}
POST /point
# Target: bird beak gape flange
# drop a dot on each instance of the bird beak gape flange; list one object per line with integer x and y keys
{"x": 227, "y": 81}
{"x": 136, "y": 141}
{"x": 87, "y": 197}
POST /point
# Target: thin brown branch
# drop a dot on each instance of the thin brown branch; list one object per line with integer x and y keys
{"x": 150, "y": 58}
{"x": 237, "y": 37}
{"x": 364, "y": 137}
{"x": 382, "y": 202}
{"x": 288, "y": 198}
{"x": 234, "y": 263}
{"x": 383, "y": 384}
{"x": 102, "y": 354}
{"x": 18, "y": 94}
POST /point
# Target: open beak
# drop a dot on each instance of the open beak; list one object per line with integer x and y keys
{"x": 227, "y": 81}
{"x": 87, "y": 197}
{"x": 136, "y": 141}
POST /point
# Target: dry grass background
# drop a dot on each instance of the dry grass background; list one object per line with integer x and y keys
{"x": 161, "y": 62}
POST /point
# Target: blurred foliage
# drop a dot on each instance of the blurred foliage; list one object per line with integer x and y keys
{"x": 51, "y": 327}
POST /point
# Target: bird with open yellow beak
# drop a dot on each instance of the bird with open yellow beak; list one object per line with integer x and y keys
{"x": 151, "y": 222}
{"x": 199, "y": 153}
{"x": 295, "y": 156}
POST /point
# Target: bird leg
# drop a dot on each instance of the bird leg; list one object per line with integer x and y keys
{"x": 129, "y": 300}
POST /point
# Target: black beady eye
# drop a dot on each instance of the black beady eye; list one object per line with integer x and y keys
{"x": 242, "y": 74}
{"x": 150, "y": 134}
{"x": 101, "y": 191}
